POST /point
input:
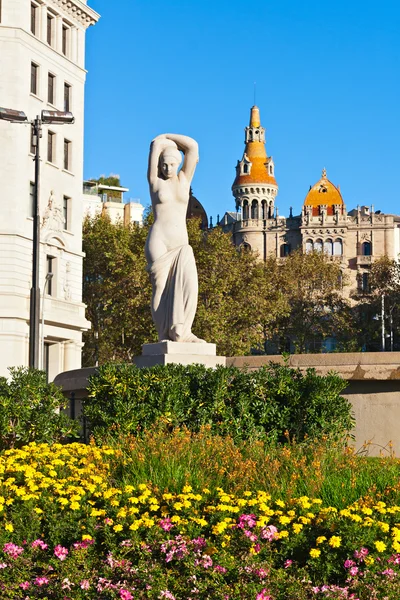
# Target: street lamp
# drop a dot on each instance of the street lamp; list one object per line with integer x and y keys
{"x": 49, "y": 276}
{"x": 48, "y": 117}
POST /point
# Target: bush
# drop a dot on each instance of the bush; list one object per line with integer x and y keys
{"x": 276, "y": 401}
{"x": 30, "y": 410}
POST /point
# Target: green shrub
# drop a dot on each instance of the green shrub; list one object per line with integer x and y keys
{"x": 30, "y": 410}
{"x": 276, "y": 401}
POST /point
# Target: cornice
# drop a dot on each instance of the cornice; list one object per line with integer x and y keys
{"x": 78, "y": 11}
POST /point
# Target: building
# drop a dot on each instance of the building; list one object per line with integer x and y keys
{"x": 109, "y": 200}
{"x": 42, "y": 67}
{"x": 354, "y": 238}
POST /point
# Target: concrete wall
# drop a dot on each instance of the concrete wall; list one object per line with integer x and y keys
{"x": 373, "y": 390}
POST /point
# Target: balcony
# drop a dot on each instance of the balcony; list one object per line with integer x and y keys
{"x": 364, "y": 260}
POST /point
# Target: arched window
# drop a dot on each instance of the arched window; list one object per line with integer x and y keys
{"x": 254, "y": 209}
{"x": 245, "y": 209}
{"x": 318, "y": 246}
{"x": 285, "y": 250}
{"x": 264, "y": 211}
{"x": 366, "y": 249}
{"x": 245, "y": 168}
{"x": 245, "y": 247}
{"x": 328, "y": 247}
{"x": 309, "y": 246}
{"x": 270, "y": 169}
{"x": 338, "y": 247}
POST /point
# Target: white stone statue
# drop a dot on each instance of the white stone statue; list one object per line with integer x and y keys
{"x": 170, "y": 259}
{"x": 53, "y": 218}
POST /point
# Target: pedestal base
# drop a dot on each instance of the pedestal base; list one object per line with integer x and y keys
{"x": 164, "y": 353}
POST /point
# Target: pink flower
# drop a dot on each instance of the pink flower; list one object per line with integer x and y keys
{"x": 349, "y": 563}
{"x": 269, "y": 533}
{"x": 247, "y": 521}
{"x": 263, "y": 595}
{"x": 85, "y": 585}
{"x": 353, "y": 571}
{"x": 219, "y": 569}
{"x": 39, "y": 544}
{"x": 166, "y": 524}
{"x": 60, "y": 552}
{"x": 288, "y": 563}
{"x": 361, "y": 554}
{"x": 389, "y": 573}
{"x": 125, "y": 595}
{"x": 25, "y": 585}
{"x": 41, "y": 581}
{"x": 167, "y": 594}
{"x": 3, "y": 565}
{"x": 12, "y": 550}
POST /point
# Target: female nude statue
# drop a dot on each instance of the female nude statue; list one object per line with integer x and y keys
{"x": 170, "y": 259}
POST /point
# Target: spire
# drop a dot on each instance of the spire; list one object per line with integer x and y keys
{"x": 255, "y": 117}
{"x": 324, "y": 173}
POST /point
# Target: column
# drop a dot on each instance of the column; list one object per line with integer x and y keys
{"x": 58, "y": 34}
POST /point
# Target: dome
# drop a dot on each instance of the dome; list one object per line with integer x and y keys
{"x": 323, "y": 193}
{"x": 258, "y": 167}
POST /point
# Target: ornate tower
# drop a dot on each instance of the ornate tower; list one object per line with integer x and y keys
{"x": 255, "y": 187}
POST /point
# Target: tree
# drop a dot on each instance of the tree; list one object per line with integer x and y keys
{"x": 238, "y": 298}
{"x": 117, "y": 291}
{"x": 312, "y": 285}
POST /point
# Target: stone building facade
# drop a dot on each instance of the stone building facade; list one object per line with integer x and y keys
{"x": 42, "y": 67}
{"x": 354, "y": 238}
{"x": 99, "y": 199}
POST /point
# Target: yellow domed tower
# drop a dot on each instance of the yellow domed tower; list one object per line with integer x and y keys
{"x": 255, "y": 187}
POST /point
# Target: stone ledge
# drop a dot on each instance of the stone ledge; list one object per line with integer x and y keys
{"x": 181, "y": 359}
{"x": 181, "y": 348}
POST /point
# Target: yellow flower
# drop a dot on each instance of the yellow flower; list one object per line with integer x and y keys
{"x": 283, "y": 534}
{"x": 284, "y": 520}
{"x": 297, "y": 527}
{"x": 380, "y": 546}
{"x": 38, "y": 510}
{"x": 335, "y": 541}
{"x": 74, "y": 506}
{"x": 9, "y": 527}
{"x": 315, "y": 553}
{"x": 118, "y": 527}
{"x": 320, "y": 539}
{"x": 369, "y": 560}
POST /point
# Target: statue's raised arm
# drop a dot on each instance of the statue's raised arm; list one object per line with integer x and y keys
{"x": 170, "y": 258}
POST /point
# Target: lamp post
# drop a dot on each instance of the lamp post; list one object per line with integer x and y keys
{"x": 49, "y": 276}
{"x": 48, "y": 117}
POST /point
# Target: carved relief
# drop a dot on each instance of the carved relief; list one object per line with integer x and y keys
{"x": 53, "y": 218}
{"x": 67, "y": 285}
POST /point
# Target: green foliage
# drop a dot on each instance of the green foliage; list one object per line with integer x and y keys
{"x": 275, "y": 401}
{"x": 30, "y": 410}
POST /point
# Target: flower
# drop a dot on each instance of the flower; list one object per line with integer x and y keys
{"x": 288, "y": 563}
{"x": 125, "y": 595}
{"x": 315, "y": 553}
{"x": 335, "y": 541}
{"x": 41, "y": 581}
{"x": 84, "y": 584}
{"x": 12, "y": 550}
{"x": 60, "y": 552}
{"x": 263, "y": 595}
{"x": 380, "y": 546}
{"x": 39, "y": 544}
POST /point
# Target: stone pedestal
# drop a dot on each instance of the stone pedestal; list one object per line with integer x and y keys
{"x": 165, "y": 353}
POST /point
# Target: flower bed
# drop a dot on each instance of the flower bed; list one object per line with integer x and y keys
{"x": 70, "y": 529}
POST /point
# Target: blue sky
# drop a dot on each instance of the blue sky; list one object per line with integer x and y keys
{"x": 328, "y": 87}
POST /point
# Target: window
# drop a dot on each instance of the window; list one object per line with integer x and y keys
{"x": 309, "y": 246}
{"x": 318, "y": 246}
{"x": 65, "y": 38}
{"x": 50, "y": 271}
{"x": 32, "y": 148}
{"x": 34, "y": 10}
{"x": 270, "y": 170}
{"x": 338, "y": 248}
{"x": 67, "y": 97}
{"x": 365, "y": 282}
{"x": 32, "y": 199}
{"x": 66, "y": 202}
{"x": 67, "y": 154}
{"x": 245, "y": 169}
{"x": 51, "y": 138}
{"x": 366, "y": 249}
{"x": 328, "y": 247}
{"x": 34, "y": 78}
{"x": 285, "y": 250}
{"x": 51, "y": 88}
{"x": 50, "y": 27}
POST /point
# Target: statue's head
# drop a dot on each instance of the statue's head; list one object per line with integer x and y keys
{"x": 170, "y": 159}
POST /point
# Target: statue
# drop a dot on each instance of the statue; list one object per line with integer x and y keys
{"x": 53, "y": 218}
{"x": 170, "y": 259}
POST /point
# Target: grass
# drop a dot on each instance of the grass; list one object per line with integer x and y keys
{"x": 330, "y": 471}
